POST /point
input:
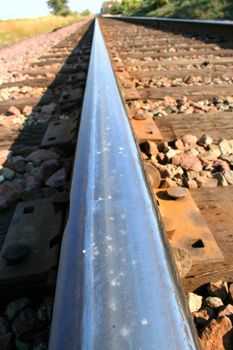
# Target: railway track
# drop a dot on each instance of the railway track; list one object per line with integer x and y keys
{"x": 138, "y": 201}
{"x": 182, "y": 84}
{"x": 176, "y": 82}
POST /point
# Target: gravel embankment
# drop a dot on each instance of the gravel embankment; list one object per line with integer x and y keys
{"x": 16, "y": 57}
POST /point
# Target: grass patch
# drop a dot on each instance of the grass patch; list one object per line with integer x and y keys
{"x": 14, "y": 30}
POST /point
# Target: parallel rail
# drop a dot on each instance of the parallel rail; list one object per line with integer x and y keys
{"x": 117, "y": 287}
{"x": 222, "y": 29}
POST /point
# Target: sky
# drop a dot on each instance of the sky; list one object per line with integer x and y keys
{"x": 36, "y": 8}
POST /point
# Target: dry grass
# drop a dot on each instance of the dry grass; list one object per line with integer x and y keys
{"x": 18, "y": 29}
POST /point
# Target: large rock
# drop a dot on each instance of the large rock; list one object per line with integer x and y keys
{"x": 8, "y": 121}
{"x": 140, "y": 114}
{"x": 172, "y": 153}
{"x": 17, "y": 164}
{"x": 16, "y": 306}
{"x": 32, "y": 169}
{"x": 41, "y": 155}
{"x": 200, "y": 149}
{"x": 47, "y": 169}
{"x": 174, "y": 170}
{"x": 7, "y": 173}
{"x": 217, "y": 335}
{"x": 227, "y": 311}
{"x": 15, "y": 111}
{"x": 189, "y": 141}
{"x": 229, "y": 176}
{"x": 192, "y": 184}
{"x": 24, "y": 151}
{"x": 229, "y": 159}
{"x": 194, "y": 302}
{"x": 9, "y": 191}
{"x": 213, "y": 302}
{"x": 226, "y": 147}
{"x": 192, "y": 175}
{"x": 27, "y": 110}
{"x": 58, "y": 179}
{"x": 169, "y": 101}
{"x": 179, "y": 145}
{"x": 212, "y": 154}
{"x": 49, "y": 108}
{"x": 194, "y": 151}
{"x": 32, "y": 183}
{"x": 43, "y": 118}
{"x": 218, "y": 289}
{"x": 19, "y": 121}
{"x": 182, "y": 259}
{"x": 203, "y": 316}
{"x": 19, "y": 183}
{"x": 187, "y": 161}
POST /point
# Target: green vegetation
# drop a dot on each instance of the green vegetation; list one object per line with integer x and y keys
{"x": 195, "y": 9}
{"x": 59, "y": 7}
{"x": 85, "y": 13}
{"x": 18, "y": 29}
{"x": 127, "y": 7}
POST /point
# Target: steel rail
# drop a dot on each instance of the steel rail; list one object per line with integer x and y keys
{"x": 222, "y": 29}
{"x": 117, "y": 288}
{"x": 178, "y": 20}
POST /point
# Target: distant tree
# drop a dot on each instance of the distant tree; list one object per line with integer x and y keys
{"x": 127, "y": 7}
{"x": 157, "y": 3}
{"x": 59, "y": 7}
{"x": 85, "y": 13}
{"x": 115, "y": 9}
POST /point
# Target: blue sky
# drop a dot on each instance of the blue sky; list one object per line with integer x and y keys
{"x": 35, "y": 8}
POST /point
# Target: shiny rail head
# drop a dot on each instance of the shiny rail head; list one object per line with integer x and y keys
{"x": 178, "y": 20}
{"x": 218, "y": 29}
{"x": 117, "y": 288}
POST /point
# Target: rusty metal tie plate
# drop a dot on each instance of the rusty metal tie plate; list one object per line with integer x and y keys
{"x": 38, "y": 225}
{"x": 60, "y": 133}
{"x": 71, "y": 95}
{"x": 146, "y": 129}
{"x": 192, "y": 232}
